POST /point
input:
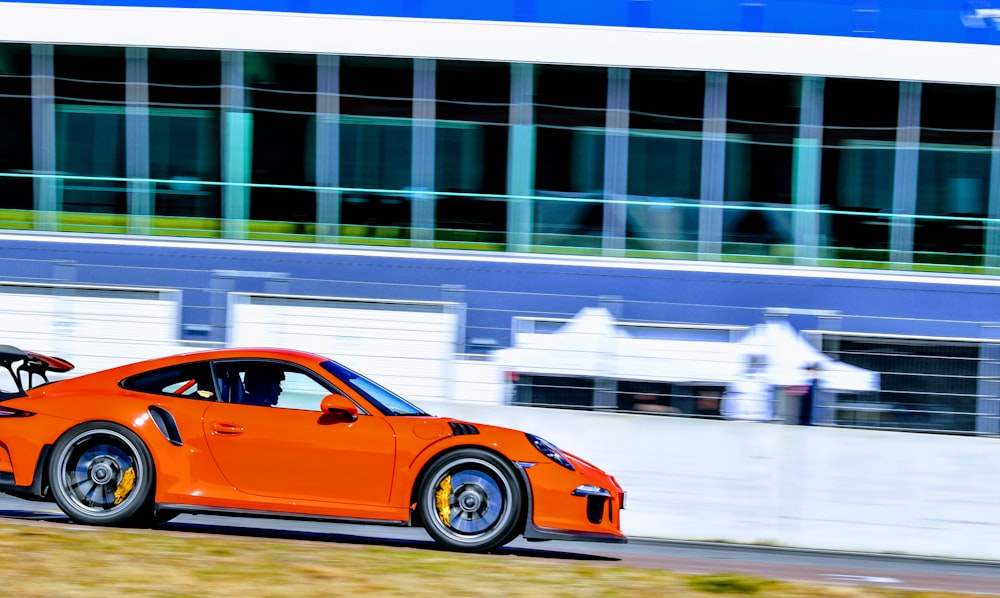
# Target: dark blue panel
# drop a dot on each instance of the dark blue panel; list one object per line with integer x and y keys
{"x": 928, "y": 20}
{"x": 835, "y": 17}
{"x": 613, "y": 14}
{"x": 495, "y": 10}
{"x": 497, "y": 291}
{"x": 752, "y": 16}
{"x": 374, "y": 8}
{"x": 640, "y": 13}
{"x": 720, "y": 15}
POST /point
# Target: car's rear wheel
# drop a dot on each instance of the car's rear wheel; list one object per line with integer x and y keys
{"x": 102, "y": 474}
{"x": 470, "y": 501}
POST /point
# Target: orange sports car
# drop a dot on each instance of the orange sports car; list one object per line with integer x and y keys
{"x": 286, "y": 434}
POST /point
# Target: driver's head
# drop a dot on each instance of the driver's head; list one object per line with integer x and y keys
{"x": 263, "y": 383}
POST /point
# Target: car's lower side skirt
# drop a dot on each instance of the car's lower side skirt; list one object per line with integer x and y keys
{"x": 229, "y": 512}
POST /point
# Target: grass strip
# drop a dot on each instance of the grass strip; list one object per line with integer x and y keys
{"x": 47, "y": 559}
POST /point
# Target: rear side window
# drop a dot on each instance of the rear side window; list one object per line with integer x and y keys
{"x": 193, "y": 380}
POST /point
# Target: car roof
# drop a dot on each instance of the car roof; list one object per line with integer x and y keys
{"x": 217, "y": 354}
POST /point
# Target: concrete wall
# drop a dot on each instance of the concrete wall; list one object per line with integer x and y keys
{"x": 812, "y": 487}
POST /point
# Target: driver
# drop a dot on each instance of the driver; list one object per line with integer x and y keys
{"x": 263, "y": 385}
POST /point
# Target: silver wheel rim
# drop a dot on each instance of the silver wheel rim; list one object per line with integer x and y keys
{"x": 471, "y": 501}
{"x": 100, "y": 473}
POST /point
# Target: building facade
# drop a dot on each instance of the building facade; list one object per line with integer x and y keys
{"x": 819, "y": 133}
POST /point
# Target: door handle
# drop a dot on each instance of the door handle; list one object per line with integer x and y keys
{"x": 227, "y": 429}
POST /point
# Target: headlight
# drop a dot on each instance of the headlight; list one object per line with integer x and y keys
{"x": 549, "y": 450}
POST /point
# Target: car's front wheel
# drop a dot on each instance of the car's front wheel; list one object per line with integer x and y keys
{"x": 470, "y": 500}
{"x": 101, "y": 473}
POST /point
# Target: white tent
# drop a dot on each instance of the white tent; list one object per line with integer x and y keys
{"x": 581, "y": 347}
{"x": 593, "y": 345}
{"x": 787, "y": 355}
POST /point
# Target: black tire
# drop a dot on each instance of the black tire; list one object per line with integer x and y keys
{"x": 470, "y": 501}
{"x": 101, "y": 473}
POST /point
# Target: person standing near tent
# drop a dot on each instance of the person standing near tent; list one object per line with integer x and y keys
{"x": 749, "y": 399}
{"x": 808, "y": 401}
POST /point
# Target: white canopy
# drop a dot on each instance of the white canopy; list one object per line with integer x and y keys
{"x": 786, "y": 355}
{"x": 592, "y": 344}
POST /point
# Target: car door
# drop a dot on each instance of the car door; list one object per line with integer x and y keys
{"x": 294, "y": 451}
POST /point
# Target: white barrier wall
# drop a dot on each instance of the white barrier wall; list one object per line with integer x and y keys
{"x": 407, "y": 346}
{"x": 811, "y": 487}
{"x": 92, "y": 327}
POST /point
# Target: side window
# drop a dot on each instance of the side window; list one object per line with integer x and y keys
{"x": 193, "y": 380}
{"x": 269, "y": 384}
{"x": 300, "y": 391}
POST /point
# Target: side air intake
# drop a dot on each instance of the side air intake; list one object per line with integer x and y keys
{"x": 166, "y": 424}
{"x": 459, "y": 429}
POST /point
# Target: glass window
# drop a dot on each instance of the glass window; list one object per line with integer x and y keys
{"x": 470, "y": 91}
{"x": 90, "y": 128}
{"x": 184, "y": 152}
{"x": 91, "y": 144}
{"x": 193, "y": 380}
{"x": 858, "y": 163}
{"x": 376, "y": 86}
{"x": 570, "y": 107}
{"x": 264, "y": 383}
{"x": 301, "y": 391}
{"x": 385, "y": 400}
{"x": 762, "y": 118}
{"x": 282, "y": 101}
{"x": 664, "y": 170}
{"x": 376, "y": 104}
{"x": 375, "y": 157}
{"x": 90, "y": 75}
{"x": 956, "y": 126}
{"x": 470, "y": 144}
{"x": 15, "y": 135}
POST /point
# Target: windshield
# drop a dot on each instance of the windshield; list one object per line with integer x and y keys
{"x": 385, "y": 400}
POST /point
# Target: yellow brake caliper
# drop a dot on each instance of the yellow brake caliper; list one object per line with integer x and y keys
{"x": 125, "y": 485}
{"x": 441, "y": 499}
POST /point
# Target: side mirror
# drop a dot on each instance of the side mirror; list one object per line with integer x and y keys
{"x": 340, "y": 407}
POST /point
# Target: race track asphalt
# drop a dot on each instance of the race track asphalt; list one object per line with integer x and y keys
{"x": 899, "y": 572}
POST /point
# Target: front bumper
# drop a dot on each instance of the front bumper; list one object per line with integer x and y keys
{"x": 572, "y": 505}
{"x": 533, "y": 533}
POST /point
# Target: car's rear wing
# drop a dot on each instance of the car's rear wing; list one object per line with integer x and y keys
{"x": 25, "y": 366}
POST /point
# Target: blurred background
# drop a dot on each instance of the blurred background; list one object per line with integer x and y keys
{"x": 606, "y": 207}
